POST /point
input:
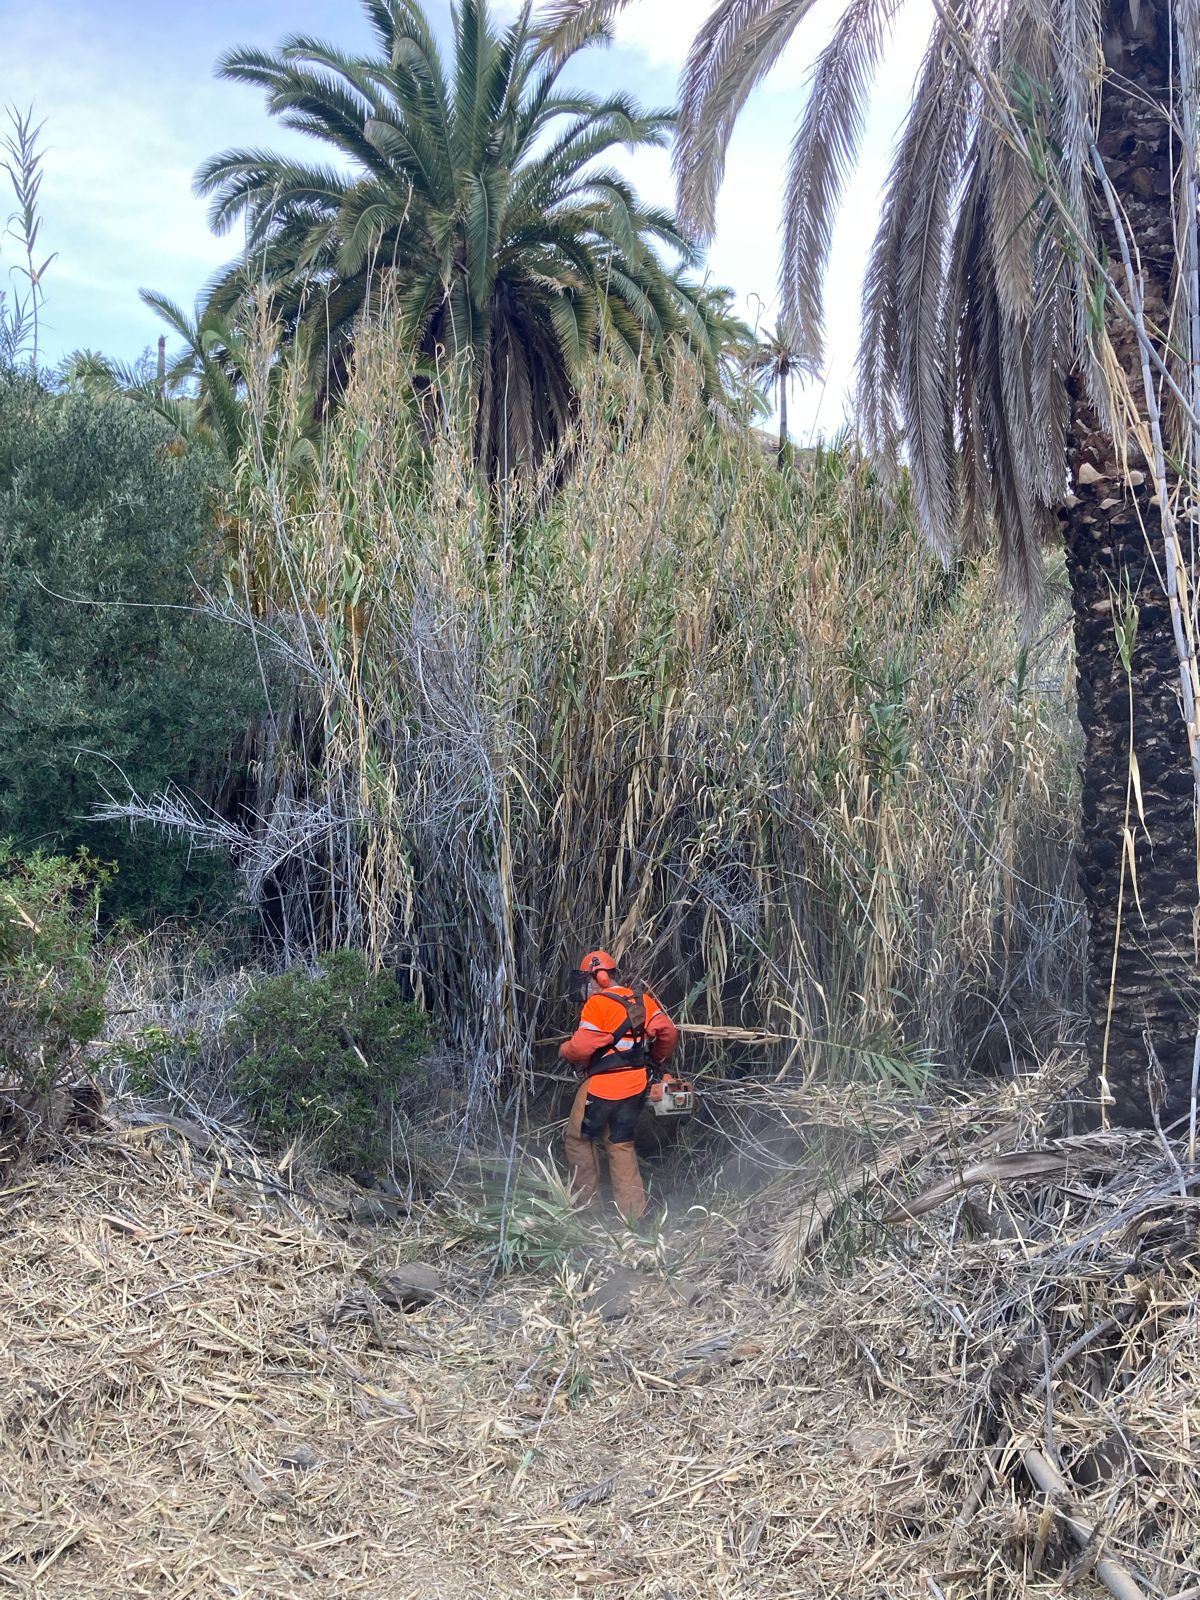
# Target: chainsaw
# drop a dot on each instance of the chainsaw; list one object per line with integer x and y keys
{"x": 672, "y": 1097}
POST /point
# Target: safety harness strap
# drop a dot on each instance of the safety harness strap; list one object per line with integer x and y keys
{"x": 635, "y": 1014}
{"x": 610, "y": 1058}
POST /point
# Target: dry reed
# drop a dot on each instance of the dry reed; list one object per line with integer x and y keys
{"x": 734, "y": 723}
{"x": 205, "y": 1393}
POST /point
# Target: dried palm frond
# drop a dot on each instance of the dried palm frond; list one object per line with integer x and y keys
{"x": 988, "y": 240}
{"x": 735, "y": 49}
{"x": 824, "y": 153}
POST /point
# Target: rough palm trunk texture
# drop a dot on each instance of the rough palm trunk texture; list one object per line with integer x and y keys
{"x": 1154, "y": 995}
{"x": 1113, "y": 533}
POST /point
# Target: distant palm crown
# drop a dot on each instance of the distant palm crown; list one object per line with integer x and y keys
{"x": 479, "y": 195}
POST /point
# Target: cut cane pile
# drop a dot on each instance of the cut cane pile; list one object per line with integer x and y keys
{"x": 208, "y": 1390}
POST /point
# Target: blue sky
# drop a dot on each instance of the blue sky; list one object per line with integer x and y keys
{"x": 131, "y": 108}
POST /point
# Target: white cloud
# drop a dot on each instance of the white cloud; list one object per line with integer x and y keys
{"x": 660, "y": 30}
{"x": 128, "y": 119}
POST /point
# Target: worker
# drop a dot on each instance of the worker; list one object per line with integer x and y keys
{"x": 623, "y": 1035}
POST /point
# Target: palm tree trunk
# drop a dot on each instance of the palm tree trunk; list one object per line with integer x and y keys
{"x": 783, "y": 427}
{"x": 1137, "y": 871}
{"x": 1139, "y": 886}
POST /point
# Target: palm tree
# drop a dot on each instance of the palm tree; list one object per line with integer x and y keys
{"x": 776, "y": 364}
{"x": 481, "y": 193}
{"x": 197, "y": 394}
{"x": 1031, "y": 343}
{"x": 724, "y": 351}
{"x": 201, "y": 391}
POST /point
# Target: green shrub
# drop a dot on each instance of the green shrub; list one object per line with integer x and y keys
{"x": 147, "y": 1052}
{"x": 51, "y": 995}
{"x": 532, "y": 1225}
{"x": 325, "y": 1057}
{"x": 112, "y": 677}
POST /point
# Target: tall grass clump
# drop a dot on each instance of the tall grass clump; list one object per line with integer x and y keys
{"x": 733, "y": 723}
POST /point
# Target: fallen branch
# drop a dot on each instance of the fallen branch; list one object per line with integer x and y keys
{"x": 1075, "y": 1348}
{"x": 801, "y": 1236}
{"x": 996, "y": 1169}
{"x": 974, "y": 1500}
{"x": 1046, "y": 1475}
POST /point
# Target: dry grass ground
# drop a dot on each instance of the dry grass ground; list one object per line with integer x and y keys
{"x": 206, "y": 1393}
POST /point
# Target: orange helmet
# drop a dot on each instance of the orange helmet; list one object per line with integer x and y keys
{"x": 597, "y": 961}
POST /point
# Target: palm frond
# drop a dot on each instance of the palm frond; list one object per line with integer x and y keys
{"x": 925, "y": 386}
{"x": 570, "y": 24}
{"x": 886, "y": 317}
{"x": 823, "y": 154}
{"x": 1079, "y": 67}
{"x": 735, "y": 49}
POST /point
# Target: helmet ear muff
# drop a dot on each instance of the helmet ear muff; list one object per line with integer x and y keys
{"x": 597, "y": 961}
{"x": 597, "y": 967}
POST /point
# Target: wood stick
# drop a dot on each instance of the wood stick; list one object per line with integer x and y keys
{"x": 974, "y": 1500}
{"x": 1111, "y": 1573}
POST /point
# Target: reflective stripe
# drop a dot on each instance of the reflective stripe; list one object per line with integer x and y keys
{"x": 621, "y": 1044}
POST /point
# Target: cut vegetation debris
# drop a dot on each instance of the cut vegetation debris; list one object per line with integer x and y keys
{"x": 213, "y": 1387}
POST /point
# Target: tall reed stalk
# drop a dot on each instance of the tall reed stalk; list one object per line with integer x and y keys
{"x": 732, "y": 723}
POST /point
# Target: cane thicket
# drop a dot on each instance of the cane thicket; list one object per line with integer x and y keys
{"x": 733, "y": 723}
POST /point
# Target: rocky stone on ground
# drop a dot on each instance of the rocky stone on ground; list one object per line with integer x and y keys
{"x": 409, "y": 1287}
{"x": 375, "y": 1210}
{"x": 613, "y": 1298}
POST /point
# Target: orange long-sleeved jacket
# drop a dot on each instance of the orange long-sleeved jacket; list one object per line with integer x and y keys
{"x": 600, "y": 1019}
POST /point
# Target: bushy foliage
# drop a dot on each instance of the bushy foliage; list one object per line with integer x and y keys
{"x": 111, "y": 677}
{"x": 51, "y": 994}
{"x": 327, "y": 1054}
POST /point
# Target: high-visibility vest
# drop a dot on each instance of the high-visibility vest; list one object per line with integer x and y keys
{"x": 628, "y": 1047}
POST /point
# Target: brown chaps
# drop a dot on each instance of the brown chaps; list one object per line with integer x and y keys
{"x": 591, "y": 1120}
